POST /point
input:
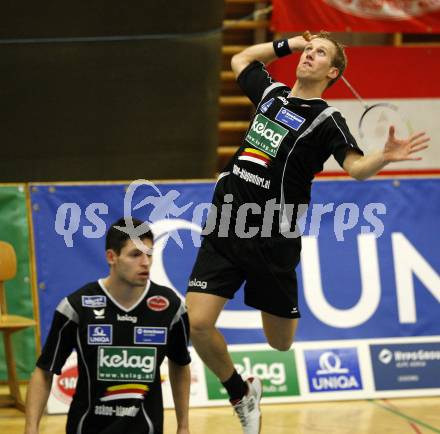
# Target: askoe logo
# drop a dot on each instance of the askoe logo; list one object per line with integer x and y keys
{"x": 126, "y": 363}
{"x": 94, "y": 300}
{"x": 266, "y": 135}
{"x": 333, "y": 370}
{"x": 276, "y": 370}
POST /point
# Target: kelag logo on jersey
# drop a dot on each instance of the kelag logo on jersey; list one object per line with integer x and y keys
{"x": 94, "y": 300}
{"x": 150, "y": 335}
{"x": 266, "y": 135}
{"x": 290, "y": 119}
{"x": 406, "y": 366}
{"x": 126, "y": 363}
{"x": 265, "y": 107}
{"x": 99, "y": 334}
{"x": 277, "y": 371}
{"x": 333, "y": 370}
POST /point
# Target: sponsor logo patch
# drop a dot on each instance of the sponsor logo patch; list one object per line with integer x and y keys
{"x": 255, "y": 156}
{"x": 290, "y": 119}
{"x": 150, "y": 335}
{"x": 94, "y": 300}
{"x": 194, "y": 283}
{"x": 99, "y": 334}
{"x": 125, "y": 391}
{"x": 265, "y": 107}
{"x": 127, "y": 317}
{"x": 119, "y": 410}
{"x": 251, "y": 177}
{"x": 158, "y": 303}
{"x": 65, "y": 385}
{"x": 99, "y": 313}
{"x": 333, "y": 370}
{"x": 266, "y": 135}
{"x": 126, "y": 363}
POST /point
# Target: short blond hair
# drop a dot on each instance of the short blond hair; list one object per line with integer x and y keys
{"x": 339, "y": 59}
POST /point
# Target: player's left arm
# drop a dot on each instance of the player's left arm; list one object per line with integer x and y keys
{"x": 362, "y": 167}
{"x": 180, "y": 379}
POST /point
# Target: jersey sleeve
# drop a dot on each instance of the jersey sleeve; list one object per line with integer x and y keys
{"x": 257, "y": 83}
{"x": 338, "y": 138}
{"x": 61, "y": 338}
{"x": 178, "y": 338}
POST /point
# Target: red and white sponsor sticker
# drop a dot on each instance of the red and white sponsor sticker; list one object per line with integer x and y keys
{"x": 65, "y": 384}
{"x": 158, "y": 303}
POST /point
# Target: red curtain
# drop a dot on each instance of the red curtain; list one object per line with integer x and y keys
{"x": 379, "y": 72}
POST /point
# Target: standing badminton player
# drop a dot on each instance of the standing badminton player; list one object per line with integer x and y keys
{"x": 122, "y": 327}
{"x": 292, "y": 134}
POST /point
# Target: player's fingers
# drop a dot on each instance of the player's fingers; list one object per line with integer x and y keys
{"x": 417, "y": 135}
{"x": 418, "y": 148}
{"x": 420, "y": 141}
{"x": 411, "y": 159}
{"x": 307, "y": 36}
{"x": 391, "y": 132}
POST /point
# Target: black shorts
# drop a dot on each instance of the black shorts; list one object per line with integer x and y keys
{"x": 267, "y": 265}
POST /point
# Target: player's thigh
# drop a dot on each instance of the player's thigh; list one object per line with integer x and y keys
{"x": 214, "y": 280}
{"x": 279, "y": 331}
{"x": 204, "y": 309}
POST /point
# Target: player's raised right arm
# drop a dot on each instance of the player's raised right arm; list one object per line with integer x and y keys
{"x": 264, "y": 53}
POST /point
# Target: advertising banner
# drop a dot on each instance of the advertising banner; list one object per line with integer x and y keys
{"x": 369, "y": 276}
{"x": 384, "y": 16}
{"x": 406, "y": 366}
{"x": 370, "y": 259}
{"x": 277, "y": 371}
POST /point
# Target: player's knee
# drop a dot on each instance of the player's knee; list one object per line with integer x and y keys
{"x": 199, "y": 327}
{"x": 280, "y": 344}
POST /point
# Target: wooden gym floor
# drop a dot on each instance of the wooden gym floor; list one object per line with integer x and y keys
{"x": 392, "y": 416}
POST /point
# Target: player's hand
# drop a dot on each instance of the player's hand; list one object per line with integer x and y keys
{"x": 403, "y": 149}
{"x": 182, "y": 430}
{"x": 298, "y": 43}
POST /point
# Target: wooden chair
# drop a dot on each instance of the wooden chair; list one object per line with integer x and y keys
{"x": 10, "y": 324}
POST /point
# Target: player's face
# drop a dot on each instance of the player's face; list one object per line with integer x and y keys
{"x": 132, "y": 265}
{"x": 316, "y": 60}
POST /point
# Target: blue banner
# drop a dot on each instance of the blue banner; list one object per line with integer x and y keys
{"x": 406, "y": 366}
{"x": 370, "y": 262}
{"x": 334, "y": 369}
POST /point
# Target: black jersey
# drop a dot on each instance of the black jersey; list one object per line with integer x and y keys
{"x": 119, "y": 355}
{"x": 286, "y": 145}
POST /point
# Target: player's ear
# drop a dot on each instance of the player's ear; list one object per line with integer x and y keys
{"x": 110, "y": 255}
{"x": 333, "y": 72}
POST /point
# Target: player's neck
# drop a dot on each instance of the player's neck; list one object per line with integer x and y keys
{"x": 307, "y": 89}
{"x": 124, "y": 293}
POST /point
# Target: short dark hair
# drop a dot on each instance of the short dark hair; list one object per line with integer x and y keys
{"x": 339, "y": 59}
{"x": 116, "y": 238}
